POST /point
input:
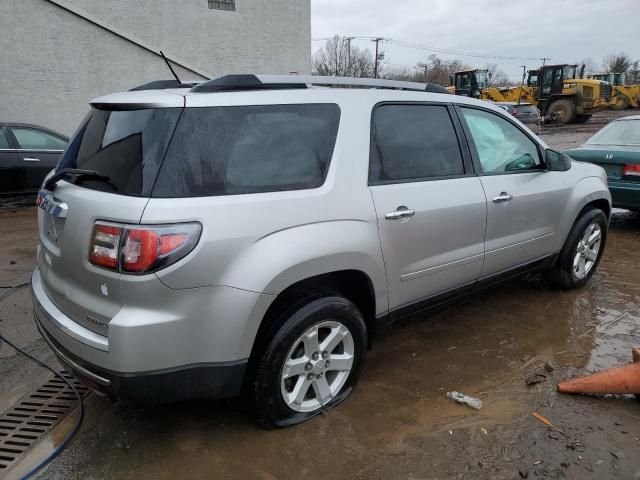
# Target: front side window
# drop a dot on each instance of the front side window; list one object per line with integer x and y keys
{"x": 413, "y": 143}
{"x": 32, "y": 139}
{"x": 500, "y": 145}
{"x": 249, "y": 149}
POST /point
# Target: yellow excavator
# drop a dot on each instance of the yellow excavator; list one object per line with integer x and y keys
{"x": 558, "y": 91}
{"x": 561, "y": 94}
{"x": 473, "y": 83}
{"x": 623, "y": 95}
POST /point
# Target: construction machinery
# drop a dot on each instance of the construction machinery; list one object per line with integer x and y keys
{"x": 469, "y": 83}
{"x": 558, "y": 91}
{"x": 562, "y": 95}
{"x": 623, "y": 95}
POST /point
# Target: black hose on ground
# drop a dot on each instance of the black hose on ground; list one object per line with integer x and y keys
{"x": 76, "y": 427}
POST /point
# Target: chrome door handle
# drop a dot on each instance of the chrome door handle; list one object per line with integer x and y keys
{"x": 29, "y": 159}
{"x": 504, "y": 197}
{"x": 401, "y": 212}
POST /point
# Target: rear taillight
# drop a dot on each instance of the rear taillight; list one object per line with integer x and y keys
{"x": 141, "y": 249}
{"x": 105, "y": 242}
{"x": 631, "y": 171}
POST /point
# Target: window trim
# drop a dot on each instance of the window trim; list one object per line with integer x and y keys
{"x": 474, "y": 151}
{"x": 467, "y": 163}
{"x": 18, "y": 148}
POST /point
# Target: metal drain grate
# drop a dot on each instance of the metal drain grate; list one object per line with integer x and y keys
{"x": 34, "y": 416}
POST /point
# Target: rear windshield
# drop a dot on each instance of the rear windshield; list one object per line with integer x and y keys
{"x": 621, "y": 132}
{"x": 127, "y": 146}
{"x": 206, "y": 151}
{"x": 525, "y": 109}
{"x": 249, "y": 149}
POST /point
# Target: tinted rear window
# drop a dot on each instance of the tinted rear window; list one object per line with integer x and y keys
{"x": 249, "y": 149}
{"x": 127, "y": 146}
{"x": 525, "y": 109}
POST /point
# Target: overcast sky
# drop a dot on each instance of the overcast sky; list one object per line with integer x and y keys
{"x": 566, "y": 30}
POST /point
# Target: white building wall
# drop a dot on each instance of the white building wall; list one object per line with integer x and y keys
{"x": 54, "y": 61}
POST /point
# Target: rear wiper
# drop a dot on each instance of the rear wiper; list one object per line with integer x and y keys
{"x": 76, "y": 174}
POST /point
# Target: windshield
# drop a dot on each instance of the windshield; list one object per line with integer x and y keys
{"x": 126, "y": 146}
{"x": 622, "y": 132}
{"x": 568, "y": 71}
{"x": 481, "y": 78}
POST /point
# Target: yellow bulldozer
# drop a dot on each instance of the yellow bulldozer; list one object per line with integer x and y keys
{"x": 623, "y": 95}
{"x": 558, "y": 91}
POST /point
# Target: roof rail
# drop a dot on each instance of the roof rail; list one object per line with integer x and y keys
{"x": 278, "y": 82}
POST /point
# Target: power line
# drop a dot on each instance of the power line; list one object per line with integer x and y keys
{"x": 448, "y": 51}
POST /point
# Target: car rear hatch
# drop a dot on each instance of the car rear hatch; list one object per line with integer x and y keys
{"x": 124, "y": 138}
{"x": 612, "y": 158}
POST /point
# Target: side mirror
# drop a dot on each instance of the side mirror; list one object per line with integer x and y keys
{"x": 556, "y": 161}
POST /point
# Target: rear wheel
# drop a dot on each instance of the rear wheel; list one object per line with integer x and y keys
{"x": 581, "y": 252}
{"x": 313, "y": 361}
{"x": 582, "y": 118}
{"x": 620, "y": 102}
{"x": 563, "y": 111}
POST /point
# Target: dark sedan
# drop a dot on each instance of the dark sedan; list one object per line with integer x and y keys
{"x": 27, "y": 154}
{"x": 525, "y": 112}
{"x": 616, "y": 148}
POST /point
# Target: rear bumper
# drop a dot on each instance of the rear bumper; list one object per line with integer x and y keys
{"x": 186, "y": 383}
{"x": 141, "y": 361}
{"x": 625, "y": 194}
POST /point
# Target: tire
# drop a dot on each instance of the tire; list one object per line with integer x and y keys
{"x": 621, "y": 102}
{"x": 582, "y": 118}
{"x": 564, "y": 110}
{"x": 563, "y": 275}
{"x": 329, "y": 316}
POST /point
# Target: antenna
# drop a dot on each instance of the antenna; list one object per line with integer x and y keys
{"x": 170, "y": 68}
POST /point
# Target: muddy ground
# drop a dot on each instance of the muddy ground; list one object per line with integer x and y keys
{"x": 399, "y": 422}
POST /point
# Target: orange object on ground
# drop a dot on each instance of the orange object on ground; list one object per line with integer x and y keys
{"x": 615, "y": 380}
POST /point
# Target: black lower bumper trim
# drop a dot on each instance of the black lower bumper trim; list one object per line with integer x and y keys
{"x": 202, "y": 381}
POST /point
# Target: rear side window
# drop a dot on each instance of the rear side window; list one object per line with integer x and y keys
{"x": 32, "y": 139}
{"x": 249, "y": 149}
{"x": 127, "y": 146}
{"x": 412, "y": 143}
{"x": 4, "y": 141}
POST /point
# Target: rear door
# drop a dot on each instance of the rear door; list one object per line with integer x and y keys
{"x": 39, "y": 152}
{"x": 430, "y": 206}
{"x": 523, "y": 198}
{"x": 12, "y": 175}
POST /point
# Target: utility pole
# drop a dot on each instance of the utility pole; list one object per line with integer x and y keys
{"x": 378, "y": 56}
{"x": 544, "y": 61}
{"x": 348, "y": 40}
{"x": 425, "y": 67}
{"x": 524, "y": 73}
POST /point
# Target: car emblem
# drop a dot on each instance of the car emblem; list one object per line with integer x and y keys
{"x": 608, "y": 156}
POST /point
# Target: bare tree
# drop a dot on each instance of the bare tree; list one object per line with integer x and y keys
{"x": 497, "y": 76}
{"x": 338, "y": 57}
{"x": 437, "y": 71}
{"x": 617, "y": 63}
{"x": 590, "y": 66}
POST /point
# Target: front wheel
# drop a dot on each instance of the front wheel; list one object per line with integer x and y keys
{"x": 582, "y": 251}
{"x": 562, "y": 111}
{"x": 313, "y": 361}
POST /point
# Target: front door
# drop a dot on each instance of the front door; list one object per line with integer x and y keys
{"x": 523, "y": 198}
{"x": 431, "y": 208}
{"x": 551, "y": 82}
{"x": 39, "y": 152}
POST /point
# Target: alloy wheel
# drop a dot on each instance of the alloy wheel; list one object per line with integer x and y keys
{"x": 587, "y": 251}
{"x": 317, "y": 366}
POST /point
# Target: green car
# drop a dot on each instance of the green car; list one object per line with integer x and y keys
{"x": 616, "y": 148}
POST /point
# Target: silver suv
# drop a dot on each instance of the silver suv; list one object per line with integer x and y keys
{"x": 257, "y": 232}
